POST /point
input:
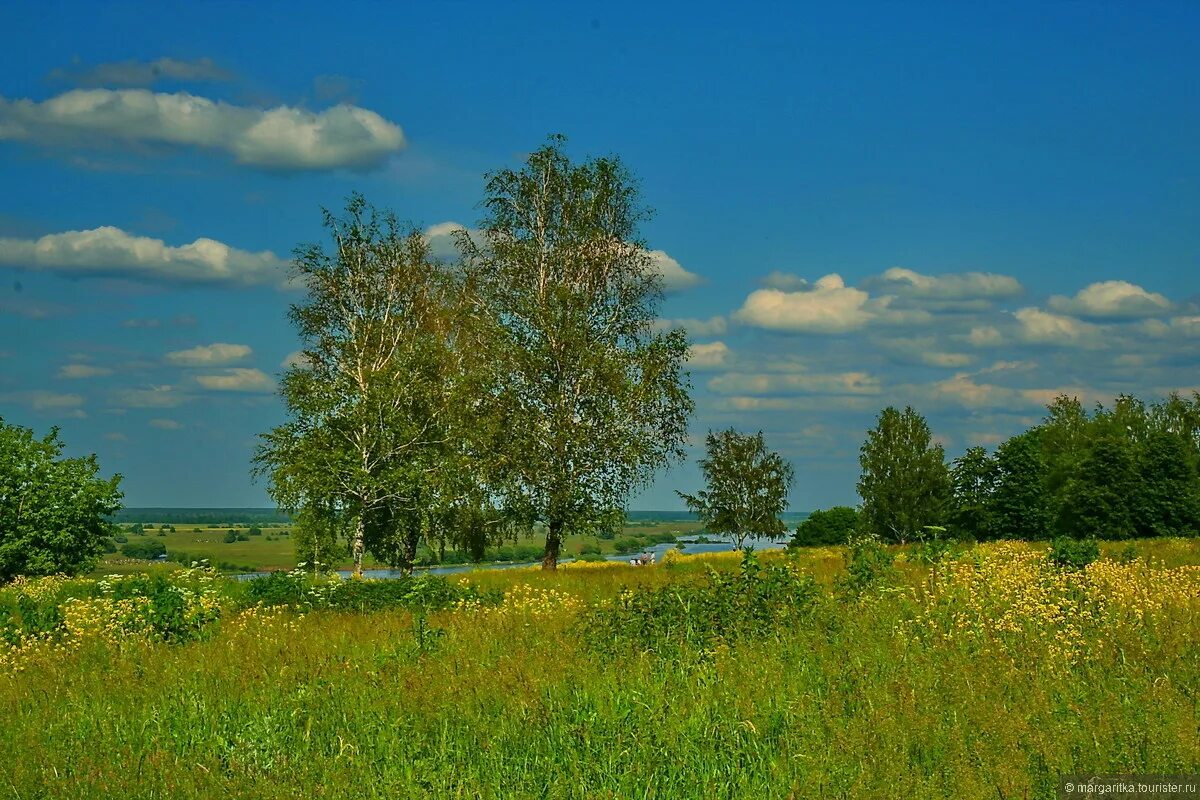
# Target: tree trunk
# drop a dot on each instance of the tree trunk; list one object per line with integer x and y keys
{"x": 553, "y": 542}
{"x": 360, "y": 538}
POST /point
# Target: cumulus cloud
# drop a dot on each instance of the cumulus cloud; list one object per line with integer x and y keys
{"x": 827, "y": 306}
{"x": 985, "y": 336}
{"x": 111, "y": 252}
{"x": 141, "y": 323}
{"x": 82, "y": 371}
{"x": 160, "y": 396}
{"x": 708, "y": 356}
{"x": 1044, "y": 327}
{"x": 953, "y": 286}
{"x": 142, "y": 73}
{"x": 282, "y": 138}
{"x": 1112, "y": 300}
{"x": 165, "y": 424}
{"x": 799, "y": 382}
{"x": 52, "y": 401}
{"x": 674, "y": 277}
{"x": 237, "y": 379}
{"x": 209, "y": 355}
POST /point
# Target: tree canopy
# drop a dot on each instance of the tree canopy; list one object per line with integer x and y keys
{"x": 584, "y": 398}
{"x": 904, "y": 484}
{"x": 53, "y": 510}
{"x": 745, "y": 487}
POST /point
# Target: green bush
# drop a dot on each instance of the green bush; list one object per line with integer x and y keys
{"x": 868, "y": 564}
{"x": 144, "y": 548}
{"x": 301, "y": 590}
{"x": 1073, "y": 553}
{"x": 755, "y": 601}
{"x": 830, "y": 526}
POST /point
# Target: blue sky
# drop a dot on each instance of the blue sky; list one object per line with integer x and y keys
{"x": 961, "y": 207}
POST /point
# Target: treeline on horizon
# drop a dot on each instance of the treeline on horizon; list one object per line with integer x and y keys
{"x": 1129, "y": 470}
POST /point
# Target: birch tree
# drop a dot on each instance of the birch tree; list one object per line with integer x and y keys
{"x": 370, "y": 401}
{"x": 586, "y": 398}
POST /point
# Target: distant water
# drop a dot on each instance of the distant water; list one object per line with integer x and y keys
{"x": 717, "y": 544}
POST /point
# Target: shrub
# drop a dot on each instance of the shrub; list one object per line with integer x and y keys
{"x": 144, "y": 548}
{"x": 755, "y": 601}
{"x": 831, "y": 526}
{"x": 301, "y": 590}
{"x": 868, "y": 563}
{"x": 1073, "y": 553}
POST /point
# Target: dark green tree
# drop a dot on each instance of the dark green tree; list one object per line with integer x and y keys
{"x": 53, "y": 510}
{"x": 904, "y": 483}
{"x": 1019, "y": 506}
{"x": 973, "y": 479}
{"x": 1169, "y": 501}
{"x": 1098, "y": 500}
{"x": 746, "y": 487}
{"x": 583, "y": 397}
{"x": 824, "y": 527}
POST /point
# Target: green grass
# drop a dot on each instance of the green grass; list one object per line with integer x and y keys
{"x": 867, "y": 698}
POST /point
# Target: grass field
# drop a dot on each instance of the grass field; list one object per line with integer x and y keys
{"x": 985, "y": 676}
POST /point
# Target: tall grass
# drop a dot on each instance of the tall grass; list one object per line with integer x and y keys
{"x": 951, "y": 682}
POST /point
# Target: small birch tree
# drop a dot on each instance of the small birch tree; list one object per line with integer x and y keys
{"x": 746, "y": 487}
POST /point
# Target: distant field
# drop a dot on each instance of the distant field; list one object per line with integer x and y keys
{"x": 274, "y": 549}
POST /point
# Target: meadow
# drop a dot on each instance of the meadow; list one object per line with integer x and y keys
{"x": 981, "y": 673}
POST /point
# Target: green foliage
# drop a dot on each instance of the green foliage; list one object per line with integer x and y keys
{"x": 1020, "y": 507}
{"x": 973, "y": 480}
{"x": 232, "y": 536}
{"x": 1073, "y": 553}
{"x": 53, "y": 509}
{"x": 144, "y": 548}
{"x": 904, "y": 483}
{"x": 869, "y": 564}
{"x": 826, "y": 527}
{"x": 1098, "y": 499}
{"x": 578, "y": 399}
{"x": 1168, "y": 502}
{"x": 370, "y": 405}
{"x": 681, "y": 619}
{"x": 302, "y": 591}
{"x": 745, "y": 487}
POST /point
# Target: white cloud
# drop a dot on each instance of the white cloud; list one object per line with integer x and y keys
{"x": 142, "y": 73}
{"x": 1045, "y": 327}
{"x": 800, "y": 382}
{"x": 925, "y": 350}
{"x": 162, "y": 396}
{"x": 209, "y": 355}
{"x": 985, "y": 336}
{"x": 675, "y": 278}
{"x": 281, "y": 138}
{"x": 238, "y": 379}
{"x": 1112, "y": 299}
{"x": 441, "y": 239}
{"x": 109, "y": 251}
{"x": 114, "y": 436}
{"x": 82, "y": 371}
{"x": 708, "y": 356}
{"x": 827, "y": 306}
{"x": 52, "y": 401}
{"x": 165, "y": 424}
{"x": 953, "y": 286}
{"x": 713, "y": 326}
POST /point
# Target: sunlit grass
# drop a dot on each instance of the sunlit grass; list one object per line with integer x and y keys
{"x": 984, "y": 678}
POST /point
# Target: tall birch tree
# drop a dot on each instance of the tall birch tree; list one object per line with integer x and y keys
{"x": 587, "y": 398}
